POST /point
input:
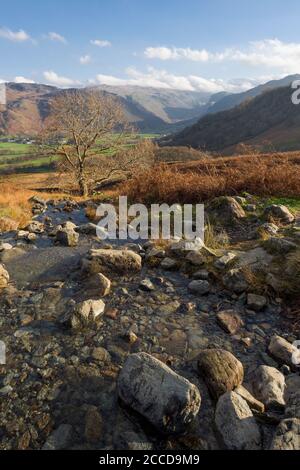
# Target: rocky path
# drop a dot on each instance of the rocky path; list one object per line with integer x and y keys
{"x": 59, "y": 385}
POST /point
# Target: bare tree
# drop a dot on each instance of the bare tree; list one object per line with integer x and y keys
{"x": 83, "y": 125}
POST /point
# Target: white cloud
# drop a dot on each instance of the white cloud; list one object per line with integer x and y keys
{"x": 174, "y": 53}
{"x": 100, "y": 43}
{"x": 85, "y": 59}
{"x": 54, "y": 79}
{"x": 57, "y": 37}
{"x": 14, "y": 36}
{"x": 269, "y": 53}
{"x": 20, "y": 79}
{"x": 162, "y": 79}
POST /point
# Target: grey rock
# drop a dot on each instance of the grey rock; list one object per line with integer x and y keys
{"x": 225, "y": 260}
{"x": 87, "y": 314}
{"x": 170, "y": 402}
{"x": 225, "y": 210}
{"x": 280, "y": 245}
{"x": 60, "y": 439}
{"x": 278, "y": 212}
{"x": 230, "y": 321}
{"x": 168, "y": 264}
{"x": 283, "y": 351}
{"x": 287, "y": 435}
{"x": 120, "y": 261}
{"x": 67, "y": 237}
{"x": 268, "y": 386}
{"x": 256, "y": 302}
{"x": 147, "y": 285}
{"x": 199, "y": 287}
{"x": 236, "y": 423}
{"x": 235, "y": 281}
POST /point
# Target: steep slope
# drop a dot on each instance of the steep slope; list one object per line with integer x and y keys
{"x": 270, "y": 118}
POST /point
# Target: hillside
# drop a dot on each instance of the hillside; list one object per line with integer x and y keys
{"x": 269, "y": 119}
{"x": 149, "y": 109}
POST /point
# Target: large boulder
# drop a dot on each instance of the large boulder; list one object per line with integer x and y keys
{"x": 284, "y": 352}
{"x": 278, "y": 213}
{"x": 236, "y": 423}
{"x": 167, "y": 400}
{"x": 235, "y": 281}
{"x": 120, "y": 261}
{"x": 268, "y": 386}
{"x": 225, "y": 210}
{"x": 287, "y": 435}
{"x": 221, "y": 371}
{"x": 4, "y": 277}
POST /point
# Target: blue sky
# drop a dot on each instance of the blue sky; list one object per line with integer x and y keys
{"x": 185, "y": 44}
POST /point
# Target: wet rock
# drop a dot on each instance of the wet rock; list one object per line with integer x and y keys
{"x": 287, "y": 435}
{"x": 4, "y": 277}
{"x": 268, "y": 386}
{"x": 256, "y": 302}
{"x": 199, "y": 287}
{"x": 67, "y": 237}
{"x": 236, "y": 423}
{"x": 87, "y": 229}
{"x": 101, "y": 355}
{"x": 283, "y": 351}
{"x": 120, "y": 261}
{"x": 230, "y": 321}
{"x": 202, "y": 275}
{"x": 93, "y": 425}
{"x": 167, "y": 400}
{"x": 5, "y": 246}
{"x": 60, "y": 439}
{"x": 87, "y": 314}
{"x": 221, "y": 371}
{"x": 235, "y": 281}
{"x": 278, "y": 212}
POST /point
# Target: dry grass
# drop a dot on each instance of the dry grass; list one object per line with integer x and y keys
{"x": 14, "y": 206}
{"x": 262, "y": 175}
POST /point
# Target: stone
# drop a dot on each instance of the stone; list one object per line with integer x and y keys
{"x": 236, "y": 423}
{"x": 5, "y": 246}
{"x": 167, "y": 400}
{"x": 120, "y": 261}
{"x": 195, "y": 258}
{"x": 268, "y": 385}
{"x": 235, "y": 281}
{"x": 87, "y": 313}
{"x": 287, "y": 435}
{"x": 168, "y": 264}
{"x": 225, "y": 260}
{"x": 147, "y": 285}
{"x": 60, "y": 439}
{"x": 93, "y": 425}
{"x": 268, "y": 229}
{"x": 199, "y": 287}
{"x": 283, "y": 351}
{"x": 253, "y": 403}
{"x": 221, "y": 370}
{"x": 292, "y": 396}
{"x": 86, "y": 229}
{"x": 278, "y": 213}
{"x": 101, "y": 355}
{"x": 256, "y": 302}
{"x": 4, "y": 277}
{"x": 225, "y": 210}
{"x": 100, "y": 283}
{"x": 230, "y": 321}
{"x": 67, "y": 237}
{"x": 155, "y": 253}
{"x": 202, "y": 275}
{"x": 35, "y": 227}
{"x": 279, "y": 245}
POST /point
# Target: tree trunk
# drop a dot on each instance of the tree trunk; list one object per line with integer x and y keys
{"x": 84, "y": 191}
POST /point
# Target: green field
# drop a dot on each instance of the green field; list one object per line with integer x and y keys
{"x": 22, "y": 158}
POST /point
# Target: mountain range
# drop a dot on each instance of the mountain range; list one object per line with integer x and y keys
{"x": 214, "y": 122}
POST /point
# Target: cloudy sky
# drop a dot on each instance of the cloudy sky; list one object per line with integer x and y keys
{"x": 201, "y": 45}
